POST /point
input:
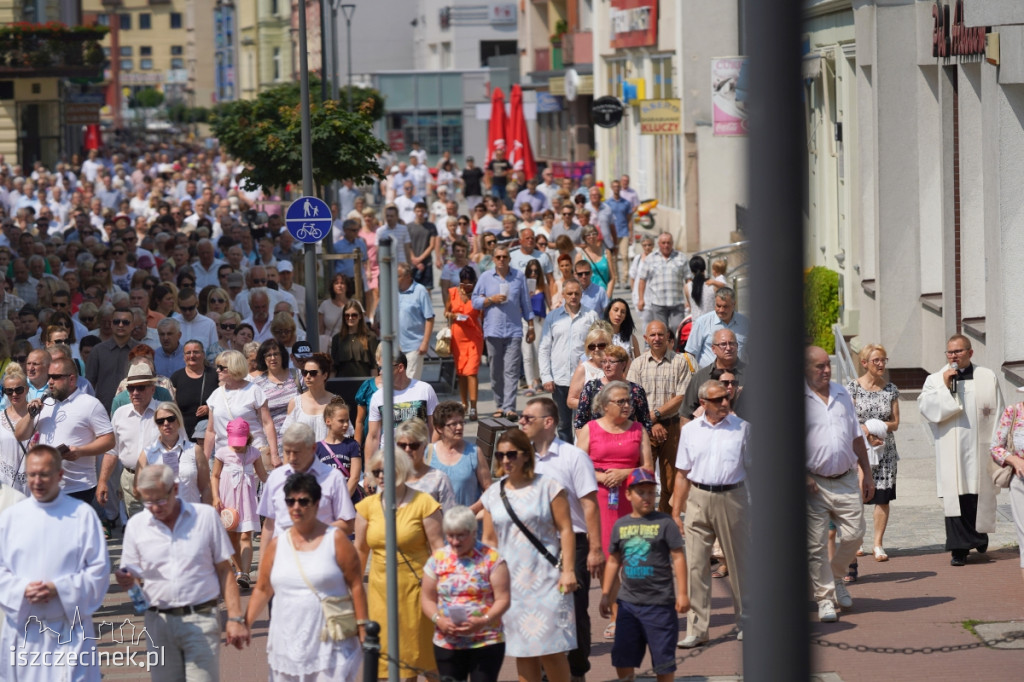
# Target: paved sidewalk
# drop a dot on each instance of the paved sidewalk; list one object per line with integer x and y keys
{"x": 914, "y": 600}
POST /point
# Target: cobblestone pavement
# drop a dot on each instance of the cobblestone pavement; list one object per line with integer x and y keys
{"x": 914, "y": 600}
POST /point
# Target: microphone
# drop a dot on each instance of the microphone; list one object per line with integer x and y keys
{"x": 34, "y": 411}
{"x": 952, "y": 379}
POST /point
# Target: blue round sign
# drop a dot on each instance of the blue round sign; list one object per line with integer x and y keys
{"x": 308, "y": 219}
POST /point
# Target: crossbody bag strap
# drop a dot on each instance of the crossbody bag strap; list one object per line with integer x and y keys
{"x": 298, "y": 564}
{"x": 523, "y": 529}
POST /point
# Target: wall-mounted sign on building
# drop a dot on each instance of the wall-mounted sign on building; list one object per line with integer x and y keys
{"x": 728, "y": 109}
{"x": 548, "y": 103}
{"x": 502, "y": 13}
{"x": 954, "y": 38}
{"x": 607, "y": 111}
{"x": 660, "y": 117}
{"x": 634, "y": 23}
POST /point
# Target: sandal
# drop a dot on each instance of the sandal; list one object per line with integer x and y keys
{"x": 880, "y": 554}
{"x": 609, "y": 632}
{"x": 861, "y": 552}
{"x": 530, "y": 393}
{"x": 851, "y": 577}
{"x": 471, "y": 415}
{"x": 243, "y": 580}
{"x": 498, "y": 414}
{"x": 720, "y": 573}
{"x": 512, "y": 416}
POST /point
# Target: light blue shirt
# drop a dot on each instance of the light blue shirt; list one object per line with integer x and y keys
{"x": 346, "y": 266}
{"x": 414, "y": 309}
{"x": 518, "y": 259}
{"x": 561, "y": 342}
{"x": 167, "y": 364}
{"x": 595, "y": 298}
{"x": 703, "y": 332}
{"x": 504, "y": 320}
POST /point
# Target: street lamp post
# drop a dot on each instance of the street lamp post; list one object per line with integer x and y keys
{"x": 334, "y": 48}
{"x": 349, "y": 11}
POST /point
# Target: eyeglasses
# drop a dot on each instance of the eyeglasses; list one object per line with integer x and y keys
{"x": 301, "y": 501}
{"x": 138, "y": 388}
{"x": 170, "y": 419}
{"x": 61, "y": 342}
{"x": 879, "y": 361}
{"x": 528, "y": 418}
{"x": 352, "y": 316}
{"x": 727, "y": 382}
{"x": 490, "y": 242}
{"x": 583, "y": 273}
{"x": 17, "y": 390}
{"x": 611, "y": 361}
{"x": 310, "y": 372}
{"x": 221, "y": 368}
{"x": 726, "y": 344}
{"x": 99, "y": 270}
{"x": 509, "y": 455}
{"x": 117, "y": 253}
{"x": 953, "y": 353}
{"x": 121, "y": 322}
{"x": 409, "y": 446}
{"x": 567, "y": 214}
{"x": 60, "y": 304}
{"x": 187, "y": 308}
{"x": 162, "y": 502}
{"x": 501, "y": 258}
{"x": 716, "y": 399}
{"x": 377, "y": 473}
{"x": 228, "y": 327}
{"x": 454, "y": 425}
{"x": 597, "y": 346}
{"x": 217, "y": 300}
{"x": 58, "y": 377}
{"x": 621, "y": 403}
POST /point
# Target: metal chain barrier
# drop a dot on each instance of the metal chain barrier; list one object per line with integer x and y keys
{"x": 909, "y": 651}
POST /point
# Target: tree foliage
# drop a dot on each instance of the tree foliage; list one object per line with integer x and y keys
{"x": 266, "y": 134}
{"x": 148, "y": 98}
{"x": 821, "y": 306}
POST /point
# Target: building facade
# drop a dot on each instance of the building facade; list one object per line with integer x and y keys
{"x": 463, "y": 34}
{"x": 265, "y": 53}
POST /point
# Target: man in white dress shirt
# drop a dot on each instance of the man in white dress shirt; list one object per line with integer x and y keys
{"x": 54, "y": 573}
{"x": 182, "y": 554}
{"x": 711, "y": 466}
{"x": 194, "y": 325}
{"x": 835, "y": 449}
{"x": 134, "y": 430}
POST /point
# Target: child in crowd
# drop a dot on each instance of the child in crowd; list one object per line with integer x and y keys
{"x": 718, "y": 267}
{"x": 234, "y": 495}
{"x": 339, "y": 449}
{"x": 648, "y": 548}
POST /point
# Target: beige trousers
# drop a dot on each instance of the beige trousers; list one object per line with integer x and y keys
{"x": 131, "y": 504}
{"x": 838, "y": 500}
{"x": 711, "y": 516}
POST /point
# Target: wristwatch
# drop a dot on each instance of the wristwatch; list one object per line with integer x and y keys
{"x": 238, "y": 619}
{"x": 657, "y": 415}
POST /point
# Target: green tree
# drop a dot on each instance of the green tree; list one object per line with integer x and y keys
{"x": 149, "y": 98}
{"x": 265, "y": 133}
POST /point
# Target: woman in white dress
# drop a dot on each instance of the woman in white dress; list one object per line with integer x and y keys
{"x": 16, "y": 426}
{"x": 540, "y": 625}
{"x": 308, "y": 408}
{"x": 316, "y": 562}
{"x": 235, "y": 398}
{"x": 173, "y": 449}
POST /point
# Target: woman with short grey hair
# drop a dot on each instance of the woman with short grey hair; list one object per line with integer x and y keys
{"x": 155, "y": 477}
{"x": 465, "y": 592}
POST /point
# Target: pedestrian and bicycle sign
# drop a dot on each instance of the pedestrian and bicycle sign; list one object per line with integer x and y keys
{"x": 308, "y": 219}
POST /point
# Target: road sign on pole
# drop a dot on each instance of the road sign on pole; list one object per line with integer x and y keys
{"x": 308, "y": 219}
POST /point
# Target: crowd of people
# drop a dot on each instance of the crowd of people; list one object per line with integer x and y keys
{"x": 158, "y": 386}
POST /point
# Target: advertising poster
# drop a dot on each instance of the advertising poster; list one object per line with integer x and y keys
{"x": 728, "y": 90}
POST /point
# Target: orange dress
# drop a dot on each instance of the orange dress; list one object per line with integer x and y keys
{"x": 467, "y": 335}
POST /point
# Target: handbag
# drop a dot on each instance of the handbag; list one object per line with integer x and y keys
{"x": 339, "y": 612}
{"x": 557, "y": 563}
{"x": 1002, "y": 476}
{"x": 443, "y": 345}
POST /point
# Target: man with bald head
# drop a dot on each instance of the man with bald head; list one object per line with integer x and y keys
{"x": 835, "y": 450}
{"x": 726, "y": 356}
{"x": 665, "y": 376}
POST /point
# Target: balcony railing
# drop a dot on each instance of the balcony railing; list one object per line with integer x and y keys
{"x": 578, "y": 48}
{"x": 52, "y": 49}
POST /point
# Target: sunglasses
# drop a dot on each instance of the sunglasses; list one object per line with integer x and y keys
{"x": 597, "y": 346}
{"x": 409, "y": 446}
{"x": 377, "y": 473}
{"x": 583, "y": 273}
{"x": 20, "y": 359}
{"x": 117, "y": 253}
{"x": 58, "y": 377}
{"x": 221, "y": 368}
{"x": 86, "y": 320}
{"x": 719, "y": 399}
{"x": 229, "y": 327}
{"x": 121, "y": 323}
{"x": 187, "y": 308}
{"x": 259, "y": 282}
{"x": 133, "y": 389}
{"x": 510, "y": 455}
{"x": 99, "y": 270}
{"x": 301, "y": 501}
{"x": 310, "y": 372}
{"x": 352, "y": 316}
{"x": 61, "y": 342}
{"x": 730, "y": 383}
{"x": 217, "y": 300}
{"x": 17, "y": 390}
{"x": 160, "y": 421}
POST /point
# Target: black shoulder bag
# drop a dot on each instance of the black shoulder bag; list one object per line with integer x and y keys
{"x": 526, "y": 531}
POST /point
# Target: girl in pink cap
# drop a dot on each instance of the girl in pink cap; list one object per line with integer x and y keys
{"x": 240, "y": 464}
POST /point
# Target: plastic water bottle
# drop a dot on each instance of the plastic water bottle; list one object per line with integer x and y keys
{"x": 139, "y": 601}
{"x": 613, "y": 498}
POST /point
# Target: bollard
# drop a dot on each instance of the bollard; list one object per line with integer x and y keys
{"x": 371, "y": 651}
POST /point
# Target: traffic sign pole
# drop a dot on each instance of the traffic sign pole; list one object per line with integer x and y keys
{"x": 309, "y": 220}
{"x": 307, "y": 186}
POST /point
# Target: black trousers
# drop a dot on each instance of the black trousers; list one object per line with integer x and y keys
{"x": 561, "y": 395}
{"x": 476, "y": 665}
{"x": 579, "y": 658}
{"x": 961, "y": 533}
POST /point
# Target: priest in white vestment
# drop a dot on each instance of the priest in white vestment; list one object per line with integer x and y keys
{"x": 962, "y": 405}
{"x": 54, "y": 572}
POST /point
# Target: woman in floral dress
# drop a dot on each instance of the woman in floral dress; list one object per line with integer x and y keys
{"x": 876, "y": 398}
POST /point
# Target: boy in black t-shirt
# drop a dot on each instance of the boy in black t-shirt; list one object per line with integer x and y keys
{"x": 646, "y": 553}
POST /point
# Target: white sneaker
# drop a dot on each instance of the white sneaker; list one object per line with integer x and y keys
{"x": 843, "y": 595}
{"x": 826, "y": 611}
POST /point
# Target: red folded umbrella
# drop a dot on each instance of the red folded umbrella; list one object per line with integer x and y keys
{"x": 496, "y": 130}
{"x": 521, "y": 155}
